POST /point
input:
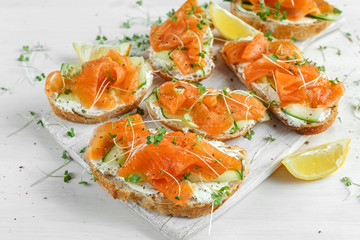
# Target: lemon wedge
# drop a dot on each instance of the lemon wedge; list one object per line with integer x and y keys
{"x": 319, "y": 161}
{"x": 88, "y": 51}
{"x": 228, "y": 25}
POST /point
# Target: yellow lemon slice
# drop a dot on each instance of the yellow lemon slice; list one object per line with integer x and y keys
{"x": 88, "y": 51}
{"x": 228, "y": 25}
{"x": 319, "y": 161}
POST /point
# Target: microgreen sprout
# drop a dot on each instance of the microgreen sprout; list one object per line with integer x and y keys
{"x": 249, "y": 134}
{"x": 351, "y": 186}
{"x": 322, "y": 48}
{"x": 50, "y": 174}
{"x": 156, "y": 138}
{"x": 71, "y": 132}
{"x": 134, "y": 178}
{"x": 67, "y": 176}
{"x": 83, "y": 149}
{"x": 218, "y": 195}
{"x": 269, "y": 36}
{"x": 269, "y": 139}
{"x": 357, "y": 110}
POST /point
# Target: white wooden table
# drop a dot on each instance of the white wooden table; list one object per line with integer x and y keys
{"x": 281, "y": 208}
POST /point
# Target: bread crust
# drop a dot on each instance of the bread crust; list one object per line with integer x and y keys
{"x": 178, "y": 127}
{"x": 308, "y": 129}
{"x": 281, "y": 31}
{"x": 158, "y": 202}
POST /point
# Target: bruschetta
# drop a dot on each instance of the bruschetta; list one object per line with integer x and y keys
{"x": 181, "y": 47}
{"x": 175, "y": 173}
{"x": 216, "y": 114}
{"x": 98, "y": 90}
{"x": 297, "y": 92}
{"x": 286, "y": 19}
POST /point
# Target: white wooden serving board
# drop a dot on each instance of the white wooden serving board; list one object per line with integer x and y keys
{"x": 265, "y": 163}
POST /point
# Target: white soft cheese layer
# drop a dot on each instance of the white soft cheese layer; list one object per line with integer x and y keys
{"x": 203, "y": 190}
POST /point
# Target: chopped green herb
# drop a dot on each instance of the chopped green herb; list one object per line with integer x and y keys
{"x": 40, "y": 77}
{"x": 101, "y": 39}
{"x": 140, "y": 2}
{"x": 133, "y": 179}
{"x": 269, "y": 36}
{"x": 67, "y": 176}
{"x": 174, "y": 141}
{"x": 83, "y": 149}
{"x": 177, "y": 197}
{"x": 112, "y": 136}
{"x": 126, "y": 24}
{"x": 140, "y": 111}
{"x": 293, "y": 39}
{"x": 71, "y": 133}
{"x": 273, "y": 57}
{"x": 249, "y": 134}
{"x": 67, "y": 91}
{"x": 65, "y": 155}
{"x": 201, "y": 87}
{"x": 235, "y": 128}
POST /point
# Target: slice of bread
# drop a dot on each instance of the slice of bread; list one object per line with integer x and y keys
{"x": 307, "y": 128}
{"x": 73, "y": 111}
{"x": 156, "y": 113}
{"x": 162, "y": 68}
{"x": 157, "y": 202}
{"x": 280, "y": 29}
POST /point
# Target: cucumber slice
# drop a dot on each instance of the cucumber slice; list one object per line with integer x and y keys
{"x": 115, "y": 156}
{"x": 327, "y": 16}
{"x": 242, "y": 123}
{"x": 304, "y": 113}
{"x": 69, "y": 69}
{"x": 163, "y": 55}
{"x": 140, "y": 63}
{"x": 153, "y": 96}
{"x": 266, "y": 117}
{"x": 230, "y": 175}
{"x": 247, "y": 5}
{"x": 68, "y": 97}
{"x": 185, "y": 120}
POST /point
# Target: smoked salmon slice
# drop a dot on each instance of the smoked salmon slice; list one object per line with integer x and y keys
{"x": 296, "y": 80}
{"x": 213, "y": 111}
{"x": 165, "y": 165}
{"x": 103, "y": 83}
{"x": 183, "y": 35}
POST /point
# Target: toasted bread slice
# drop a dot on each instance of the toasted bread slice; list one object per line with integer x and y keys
{"x": 175, "y": 126}
{"x": 299, "y": 126}
{"x": 185, "y": 125}
{"x": 150, "y": 198}
{"x": 68, "y": 108}
{"x": 307, "y": 28}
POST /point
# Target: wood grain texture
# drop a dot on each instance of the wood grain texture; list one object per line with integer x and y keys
{"x": 282, "y": 207}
